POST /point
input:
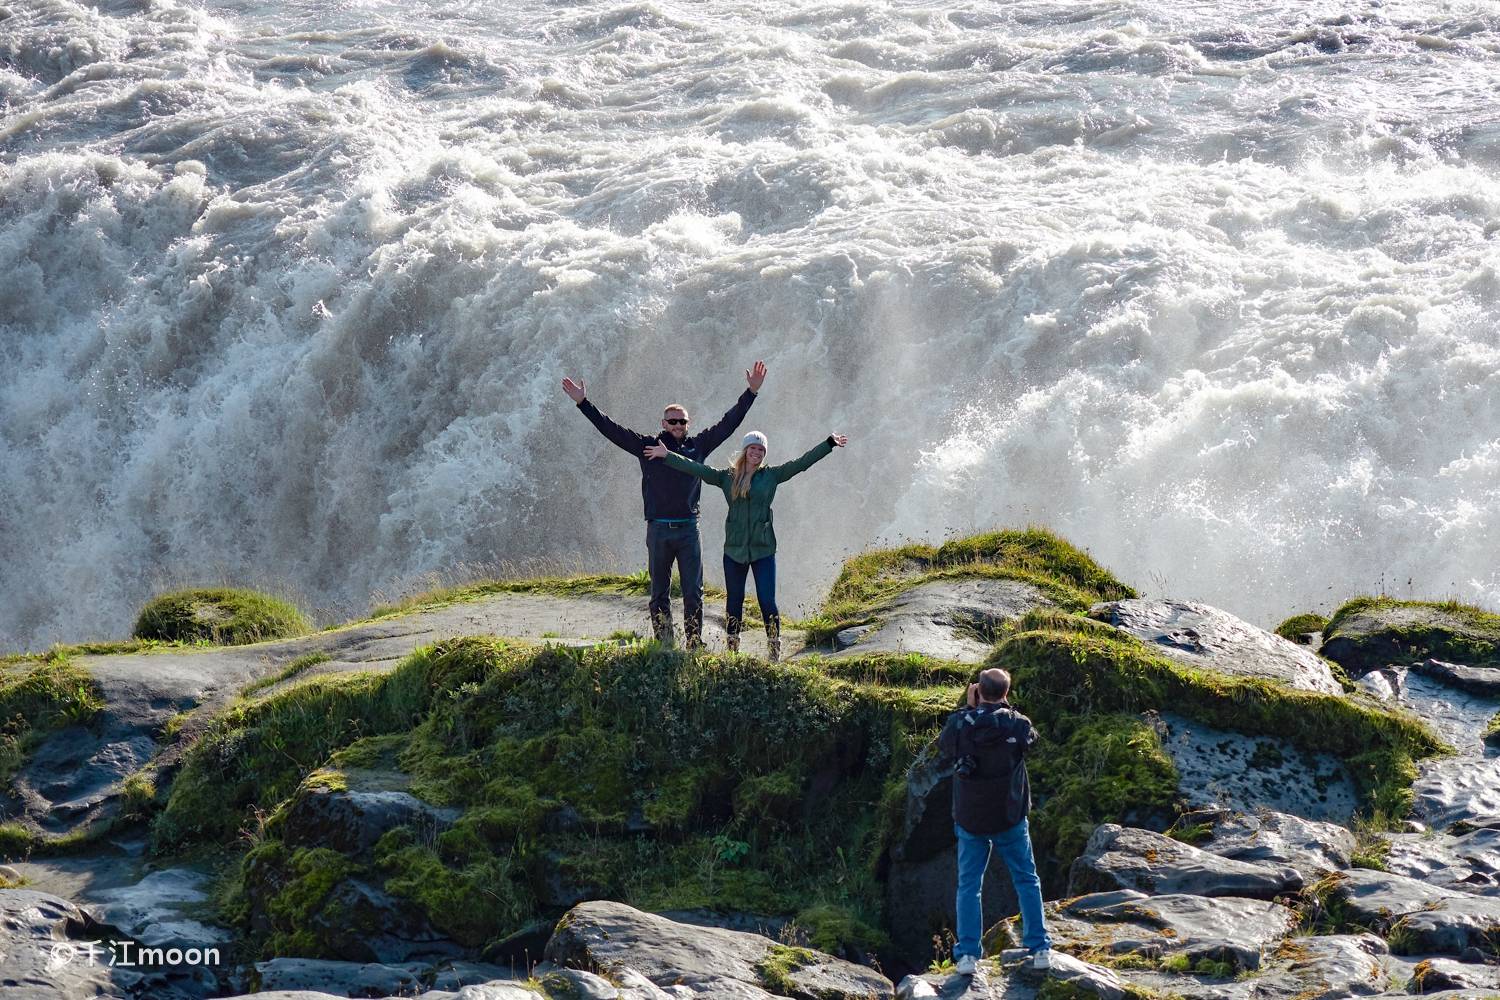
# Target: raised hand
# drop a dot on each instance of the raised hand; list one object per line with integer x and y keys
{"x": 657, "y": 450}
{"x": 839, "y": 440}
{"x": 755, "y": 376}
{"x": 573, "y": 389}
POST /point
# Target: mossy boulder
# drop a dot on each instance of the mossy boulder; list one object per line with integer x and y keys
{"x": 219, "y": 616}
{"x": 1297, "y": 628}
{"x": 1371, "y": 632}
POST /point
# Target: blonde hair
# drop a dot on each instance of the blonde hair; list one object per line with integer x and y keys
{"x": 674, "y": 406}
{"x": 739, "y": 483}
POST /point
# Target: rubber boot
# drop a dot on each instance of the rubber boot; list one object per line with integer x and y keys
{"x": 732, "y": 634}
{"x": 661, "y": 627}
{"x": 773, "y": 637}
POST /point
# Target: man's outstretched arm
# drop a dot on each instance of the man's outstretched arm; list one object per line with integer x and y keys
{"x": 623, "y": 437}
{"x": 716, "y": 435}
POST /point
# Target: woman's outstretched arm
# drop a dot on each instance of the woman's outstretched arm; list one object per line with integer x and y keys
{"x": 714, "y": 477}
{"x": 819, "y": 451}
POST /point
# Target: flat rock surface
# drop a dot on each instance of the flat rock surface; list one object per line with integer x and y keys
{"x": 1219, "y": 769}
{"x": 1450, "y": 790}
{"x": 1237, "y": 931}
{"x": 952, "y": 619}
{"x": 1119, "y": 857}
{"x": 1482, "y": 681}
{"x": 1309, "y": 968}
{"x": 350, "y": 979}
{"x": 1313, "y": 848}
{"x": 605, "y": 935}
{"x": 73, "y": 777}
{"x": 1210, "y": 639}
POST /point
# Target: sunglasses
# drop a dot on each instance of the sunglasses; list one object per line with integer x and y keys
{"x": 675, "y": 420}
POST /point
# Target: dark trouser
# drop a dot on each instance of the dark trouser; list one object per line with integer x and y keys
{"x": 765, "y": 587}
{"x": 666, "y": 544}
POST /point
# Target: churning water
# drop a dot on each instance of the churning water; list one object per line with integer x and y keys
{"x": 287, "y": 289}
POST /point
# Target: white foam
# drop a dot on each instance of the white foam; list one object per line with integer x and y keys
{"x": 285, "y": 299}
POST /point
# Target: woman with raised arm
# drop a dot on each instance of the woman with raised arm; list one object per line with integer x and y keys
{"x": 749, "y": 539}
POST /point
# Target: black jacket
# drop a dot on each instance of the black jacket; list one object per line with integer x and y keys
{"x": 995, "y": 794}
{"x": 665, "y": 491}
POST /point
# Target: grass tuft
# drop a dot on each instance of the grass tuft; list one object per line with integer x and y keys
{"x": 219, "y": 616}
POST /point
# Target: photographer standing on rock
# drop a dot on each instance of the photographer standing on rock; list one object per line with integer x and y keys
{"x": 986, "y": 742}
{"x": 671, "y": 500}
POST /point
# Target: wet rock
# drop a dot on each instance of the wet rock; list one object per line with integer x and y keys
{"x": 1452, "y": 790}
{"x": 349, "y": 979}
{"x": 156, "y": 911}
{"x": 1101, "y": 982}
{"x": 1220, "y": 929}
{"x": 1210, "y": 639}
{"x": 1467, "y": 863}
{"x": 1118, "y": 857}
{"x": 1272, "y": 838}
{"x": 1481, "y": 681}
{"x": 452, "y": 976}
{"x": 371, "y": 926}
{"x": 1419, "y": 918}
{"x": 575, "y": 984}
{"x": 1436, "y": 974}
{"x": 351, "y": 820}
{"x": 44, "y": 941}
{"x": 949, "y": 619}
{"x": 606, "y": 935}
{"x": 1397, "y": 632}
{"x": 1218, "y": 769}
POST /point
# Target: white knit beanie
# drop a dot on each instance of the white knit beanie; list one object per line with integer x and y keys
{"x": 754, "y": 437}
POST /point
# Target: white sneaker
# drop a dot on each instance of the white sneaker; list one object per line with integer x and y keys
{"x": 968, "y": 965}
{"x": 1041, "y": 958}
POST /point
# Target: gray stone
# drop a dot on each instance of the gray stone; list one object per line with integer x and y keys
{"x": 1426, "y": 919}
{"x": 351, "y": 820}
{"x": 1433, "y": 975}
{"x": 1119, "y": 857}
{"x": 951, "y": 619}
{"x": 1210, "y": 639}
{"x": 1101, "y": 982}
{"x": 575, "y": 984}
{"x": 156, "y": 911}
{"x": 454, "y": 975}
{"x": 44, "y": 948}
{"x": 349, "y": 979}
{"x": 1225, "y": 929}
{"x": 1218, "y": 769}
{"x": 1481, "y": 681}
{"x": 1468, "y": 863}
{"x": 1383, "y": 684}
{"x": 1399, "y": 633}
{"x": 1313, "y": 848}
{"x": 1451, "y": 790}
{"x": 605, "y": 936}
{"x": 991, "y": 982}
{"x": 405, "y": 934}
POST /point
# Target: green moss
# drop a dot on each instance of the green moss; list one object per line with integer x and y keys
{"x": 892, "y": 669}
{"x": 15, "y": 842}
{"x": 1413, "y": 630}
{"x": 220, "y": 616}
{"x": 138, "y": 795}
{"x": 1295, "y": 627}
{"x": 1062, "y": 572}
{"x": 37, "y": 696}
{"x": 833, "y": 929}
{"x": 1491, "y": 732}
{"x": 769, "y": 800}
{"x": 468, "y": 892}
{"x": 1103, "y": 769}
{"x": 778, "y": 965}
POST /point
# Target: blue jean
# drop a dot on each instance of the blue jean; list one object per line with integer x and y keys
{"x": 765, "y": 586}
{"x": 974, "y": 851}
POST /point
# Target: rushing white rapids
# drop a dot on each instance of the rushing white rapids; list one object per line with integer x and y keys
{"x": 287, "y": 289}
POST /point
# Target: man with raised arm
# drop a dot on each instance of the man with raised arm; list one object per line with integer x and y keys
{"x": 671, "y": 499}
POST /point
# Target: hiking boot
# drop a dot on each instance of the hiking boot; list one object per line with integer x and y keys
{"x": 732, "y": 634}
{"x": 773, "y": 637}
{"x": 967, "y": 965}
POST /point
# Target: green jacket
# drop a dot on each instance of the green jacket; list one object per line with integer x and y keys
{"x": 748, "y": 533}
